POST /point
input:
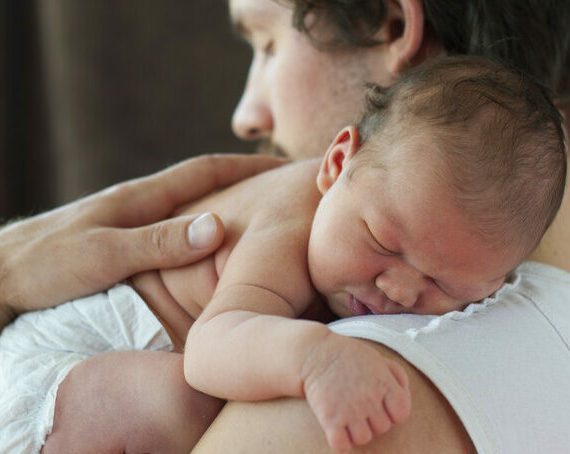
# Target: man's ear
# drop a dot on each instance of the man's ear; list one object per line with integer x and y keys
{"x": 405, "y": 36}
{"x": 343, "y": 148}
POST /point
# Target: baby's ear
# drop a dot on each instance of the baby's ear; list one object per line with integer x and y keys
{"x": 343, "y": 148}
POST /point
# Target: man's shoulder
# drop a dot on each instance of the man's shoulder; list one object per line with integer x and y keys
{"x": 542, "y": 281}
{"x": 548, "y": 289}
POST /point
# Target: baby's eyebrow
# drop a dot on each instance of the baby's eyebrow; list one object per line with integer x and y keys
{"x": 377, "y": 241}
{"x": 449, "y": 291}
{"x": 464, "y": 290}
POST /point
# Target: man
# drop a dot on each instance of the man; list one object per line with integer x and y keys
{"x": 286, "y": 71}
{"x": 296, "y": 96}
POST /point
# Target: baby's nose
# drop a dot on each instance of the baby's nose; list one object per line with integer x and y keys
{"x": 401, "y": 286}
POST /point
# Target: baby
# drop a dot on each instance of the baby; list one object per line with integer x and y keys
{"x": 446, "y": 184}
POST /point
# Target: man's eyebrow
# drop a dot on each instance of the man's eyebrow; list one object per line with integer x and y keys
{"x": 245, "y": 20}
{"x": 239, "y": 28}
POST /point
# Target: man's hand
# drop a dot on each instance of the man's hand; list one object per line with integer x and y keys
{"x": 354, "y": 392}
{"x": 97, "y": 241}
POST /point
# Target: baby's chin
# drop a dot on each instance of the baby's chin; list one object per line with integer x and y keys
{"x": 338, "y": 307}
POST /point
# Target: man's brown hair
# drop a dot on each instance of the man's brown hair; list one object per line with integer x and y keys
{"x": 531, "y": 35}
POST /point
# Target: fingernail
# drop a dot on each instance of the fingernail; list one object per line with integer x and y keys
{"x": 202, "y": 232}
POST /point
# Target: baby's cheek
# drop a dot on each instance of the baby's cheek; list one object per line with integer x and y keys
{"x": 438, "y": 303}
{"x": 317, "y": 264}
{"x": 339, "y": 308}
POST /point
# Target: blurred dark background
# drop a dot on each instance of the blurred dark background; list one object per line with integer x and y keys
{"x": 98, "y": 91}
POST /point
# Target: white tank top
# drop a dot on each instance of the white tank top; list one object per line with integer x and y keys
{"x": 503, "y": 364}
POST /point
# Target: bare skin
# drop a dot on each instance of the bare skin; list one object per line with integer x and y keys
{"x": 354, "y": 391}
{"x": 131, "y": 385}
{"x": 121, "y": 230}
{"x": 555, "y": 250}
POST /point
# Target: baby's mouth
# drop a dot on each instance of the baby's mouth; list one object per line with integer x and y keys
{"x": 384, "y": 307}
{"x": 357, "y": 307}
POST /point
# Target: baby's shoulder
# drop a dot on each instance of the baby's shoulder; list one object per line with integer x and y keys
{"x": 281, "y": 196}
{"x": 289, "y": 193}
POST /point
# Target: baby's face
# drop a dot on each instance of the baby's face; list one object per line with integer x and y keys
{"x": 390, "y": 240}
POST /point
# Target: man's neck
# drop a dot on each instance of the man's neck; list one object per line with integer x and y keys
{"x": 554, "y": 249}
{"x": 564, "y": 109}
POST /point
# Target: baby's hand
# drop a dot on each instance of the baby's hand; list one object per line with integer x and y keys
{"x": 355, "y": 392}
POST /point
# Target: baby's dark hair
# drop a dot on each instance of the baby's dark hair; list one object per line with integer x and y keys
{"x": 497, "y": 132}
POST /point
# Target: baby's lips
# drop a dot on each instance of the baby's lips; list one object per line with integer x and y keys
{"x": 358, "y": 308}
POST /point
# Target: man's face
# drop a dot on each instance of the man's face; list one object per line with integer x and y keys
{"x": 390, "y": 239}
{"x": 297, "y": 97}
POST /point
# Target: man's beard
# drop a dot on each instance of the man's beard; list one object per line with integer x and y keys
{"x": 270, "y": 148}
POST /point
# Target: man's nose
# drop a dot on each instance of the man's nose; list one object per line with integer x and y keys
{"x": 252, "y": 118}
{"x": 403, "y": 285}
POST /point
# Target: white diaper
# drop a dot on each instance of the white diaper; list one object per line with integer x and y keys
{"x": 39, "y": 349}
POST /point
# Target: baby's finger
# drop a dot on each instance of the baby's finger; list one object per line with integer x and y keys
{"x": 380, "y": 422}
{"x": 397, "y": 401}
{"x": 399, "y": 374}
{"x": 360, "y": 432}
{"x": 338, "y": 438}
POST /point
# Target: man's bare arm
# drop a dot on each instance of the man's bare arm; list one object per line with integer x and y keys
{"x": 289, "y": 426}
{"x": 91, "y": 244}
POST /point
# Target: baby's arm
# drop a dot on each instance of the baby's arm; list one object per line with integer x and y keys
{"x": 247, "y": 345}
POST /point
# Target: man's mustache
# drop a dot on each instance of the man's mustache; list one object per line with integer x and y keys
{"x": 268, "y": 147}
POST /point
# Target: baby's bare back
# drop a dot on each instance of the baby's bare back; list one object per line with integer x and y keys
{"x": 273, "y": 200}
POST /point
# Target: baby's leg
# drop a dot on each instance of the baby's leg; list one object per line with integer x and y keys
{"x": 132, "y": 401}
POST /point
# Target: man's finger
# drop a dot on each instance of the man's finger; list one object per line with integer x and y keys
{"x": 152, "y": 198}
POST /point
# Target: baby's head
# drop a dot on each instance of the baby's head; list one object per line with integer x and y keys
{"x": 453, "y": 174}
{"x": 495, "y": 135}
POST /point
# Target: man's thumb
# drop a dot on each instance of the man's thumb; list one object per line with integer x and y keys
{"x": 176, "y": 242}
